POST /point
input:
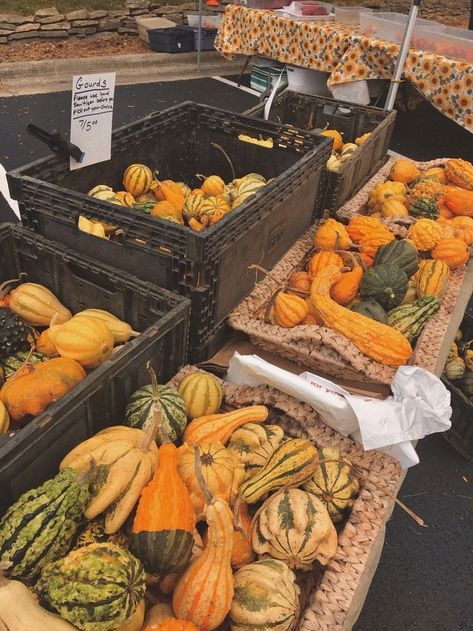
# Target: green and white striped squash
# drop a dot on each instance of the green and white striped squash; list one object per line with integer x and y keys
{"x": 411, "y": 319}
{"x": 39, "y": 526}
{"x": 253, "y": 444}
{"x": 100, "y": 188}
{"x": 293, "y": 462}
{"x": 202, "y": 394}
{"x": 249, "y": 186}
{"x": 12, "y": 363}
{"x": 139, "y": 411}
{"x": 96, "y": 588}
{"x": 193, "y": 207}
{"x": 294, "y": 526}
{"x": 266, "y": 597}
{"x": 334, "y": 483}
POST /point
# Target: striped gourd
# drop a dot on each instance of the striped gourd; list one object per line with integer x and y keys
{"x": 94, "y": 532}
{"x": 39, "y": 526}
{"x": 253, "y": 444}
{"x": 293, "y": 462}
{"x": 249, "y": 185}
{"x": 334, "y": 483}
{"x": 202, "y": 394}
{"x": 220, "y": 427}
{"x": 432, "y": 279}
{"x": 411, "y": 319}
{"x": 96, "y": 588}
{"x": 12, "y": 363}
{"x": 294, "y": 526}
{"x": 137, "y": 179}
{"x": 139, "y": 411}
{"x": 266, "y": 597}
{"x": 193, "y": 207}
{"x": 144, "y": 207}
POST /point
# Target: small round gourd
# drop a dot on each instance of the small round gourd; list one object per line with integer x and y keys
{"x": 386, "y": 283}
{"x": 201, "y": 393}
{"x": 87, "y": 340}
{"x": 452, "y": 251}
{"x": 289, "y": 310}
{"x": 137, "y": 179}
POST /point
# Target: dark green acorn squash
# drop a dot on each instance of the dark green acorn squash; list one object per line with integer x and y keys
{"x": 371, "y": 309}
{"x": 386, "y": 283}
{"x": 427, "y": 208}
{"x": 410, "y": 319}
{"x": 400, "y": 253}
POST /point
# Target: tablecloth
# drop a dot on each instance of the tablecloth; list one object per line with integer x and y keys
{"x": 348, "y": 56}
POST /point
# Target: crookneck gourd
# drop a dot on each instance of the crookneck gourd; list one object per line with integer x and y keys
{"x": 219, "y": 427}
{"x": 376, "y": 340}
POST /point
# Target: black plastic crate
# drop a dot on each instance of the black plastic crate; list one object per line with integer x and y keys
{"x": 211, "y": 267}
{"x": 460, "y": 435}
{"x": 33, "y": 453}
{"x": 171, "y": 40}
{"x": 316, "y": 112}
{"x": 207, "y": 38}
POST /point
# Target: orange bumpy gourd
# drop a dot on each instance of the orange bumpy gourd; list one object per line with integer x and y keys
{"x": 346, "y": 289}
{"x": 459, "y": 200}
{"x": 452, "y": 251}
{"x": 394, "y": 208}
{"x": 300, "y": 281}
{"x": 289, "y": 309}
{"x": 384, "y": 191}
{"x": 460, "y": 172}
{"x": 369, "y": 245}
{"x": 361, "y": 226}
{"x": 332, "y": 235}
{"x": 425, "y": 234}
{"x": 376, "y": 340}
{"x": 465, "y": 233}
{"x": 321, "y": 260}
{"x": 404, "y": 171}
{"x": 436, "y": 173}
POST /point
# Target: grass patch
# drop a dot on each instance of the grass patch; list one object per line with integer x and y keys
{"x": 28, "y": 7}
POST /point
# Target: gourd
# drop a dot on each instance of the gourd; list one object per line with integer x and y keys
{"x": 404, "y": 171}
{"x": 137, "y": 619}
{"x": 466, "y": 383}
{"x": 437, "y": 173}
{"x": 468, "y": 357}
{"x": 44, "y": 344}
{"x": 158, "y": 613}
{"x": 126, "y": 458}
{"x": 332, "y": 235}
{"x": 242, "y": 550}
{"x": 212, "y": 185}
{"x": 87, "y": 340}
{"x": 39, "y": 526}
{"x": 120, "y": 330}
{"x": 333, "y": 163}
{"x": 34, "y": 387}
{"x": 96, "y": 588}
{"x": 222, "y": 471}
{"x": 170, "y": 191}
{"x": 4, "y": 419}
{"x": 453, "y": 352}
{"x": 460, "y": 221}
{"x": 371, "y": 244}
{"x": 452, "y": 251}
{"x": 465, "y": 233}
{"x": 294, "y": 526}
{"x": 161, "y": 536}
{"x": 346, "y": 289}
{"x": 219, "y": 427}
{"x": 455, "y": 369}
{"x": 411, "y": 319}
{"x": 125, "y": 198}
{"x": 17, "y": 361}
{"x": 253, "y": 444}
{"x": 203, "y": 594}
{"x": 19, "y": 610}
{"x": 371, "y": 309}
{"x": 248, "y": 186}
{"x": 374, "y": 339}
{"x": 300, "y": 281}
{"x": 145, "y": 206}
{"x": 36, "y": 305}
{"x": 166, "y": 210}
{"x": 385, "y": 191}
{"x": 424, "y": 208}
{"x": 411, "y": 293}
{"x": 192, "y": 207}
{"x": 289, "y": 309}
{"x": 433, "y": 278}
{"x": 426, "y": 188}
{"x": 171, "y": 624}
{"x": 292, "y": 462}
{"x": 360, "y": 226}
{"x": 363, "y": 138}
{"x": 346, "y": 151}
{"x": 460, "y": 172}
{"x": 184, "y": 188}
{"x": 459, "y": 200}
{"x": 320, "y": 260}
{"x": 334, "y": 484}
{"x": 266, "y": 597}
{"x": 425, "y": 234}
{"x": 15, "y": 335}
{"x": 400, "y": 253}
{"x": 394, "y": 208}
{"x": 335, "y": 136}
{"x": 139, "y": 411}
{"x": 386, "y": 283}
{"x": 213, "y": 208}
{"x": 201, "y": 393}
{"x": 94, "y": 532}
{"x": 137, "y": 179}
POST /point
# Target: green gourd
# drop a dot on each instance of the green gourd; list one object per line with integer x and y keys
{"x": 400, "y": 253}
{"x": 423, "y": 207}
{"x": 386, "y": 283}
{"x": 371, "y": 309}
{"x": 411, "y": 319}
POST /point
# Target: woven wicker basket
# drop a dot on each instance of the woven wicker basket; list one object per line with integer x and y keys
{"x": 325, "y": 350}
{"x": 334, "y": 595}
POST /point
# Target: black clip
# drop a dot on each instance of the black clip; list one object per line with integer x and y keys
{"x": 56, "y": 142}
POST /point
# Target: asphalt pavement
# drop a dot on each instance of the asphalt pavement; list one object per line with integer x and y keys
{"x": 425, "y": 580}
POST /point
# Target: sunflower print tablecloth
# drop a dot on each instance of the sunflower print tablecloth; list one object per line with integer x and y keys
{"x": 348, "y": 56}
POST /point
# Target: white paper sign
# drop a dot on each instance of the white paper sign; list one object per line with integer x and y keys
{"x": 91, "y": 117}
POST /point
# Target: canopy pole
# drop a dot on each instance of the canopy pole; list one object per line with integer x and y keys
{"x": 401, "y": 60}
{"x": 199, "y": 36}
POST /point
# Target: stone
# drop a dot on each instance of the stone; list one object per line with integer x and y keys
{"x": 127, "y": 31}
{"x": 26, "y": 35}
{"x": 8, "y": 25}
{"x": 81, "y": 14}
{"x": 6, "y": 31}
{"x": 58, "y": 26}
{"x": 51, "y": 19}
{"x": 173, "y": 16}
{"x": 118, "y": 14}
{"x": 137, "y": 4}
{"x": 24, "y": 28}
{"x": 168, "y": 8}
{"x": 84, "y": 23}
{"x": 51, "y": 34}
{"x": 95, "y": 15}
{"x": 11, "y": 18}
{"x": 109, "y": 24}
{"x": 139, "y": 12}
{"x": 46, "y": 12}
{"x": 189, "y": 6}
{"x": 3, "y": 40}
{"x": 130, "y": 22}
{"x": 82, "y": 32}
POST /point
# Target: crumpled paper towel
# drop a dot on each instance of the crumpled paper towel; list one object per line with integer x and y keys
{"x": 419, "y": 405}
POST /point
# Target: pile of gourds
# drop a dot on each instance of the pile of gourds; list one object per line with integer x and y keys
{"x": 196, "y": 208}
{"x": 342, "y": 151}
{"x": 217, "y": 527}
{"x": 459, "y": 364}
{"x": 45, "y": 351}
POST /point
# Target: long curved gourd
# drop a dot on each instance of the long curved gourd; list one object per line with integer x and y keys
{"x": 376, "y": 340}
{"x": 220, "y": 427}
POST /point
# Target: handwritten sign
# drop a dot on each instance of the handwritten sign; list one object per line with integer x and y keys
{"x": 91, "y": 117}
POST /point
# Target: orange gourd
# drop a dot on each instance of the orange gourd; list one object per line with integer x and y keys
{"x": 197, "y": 192}
{"x": 459, "y": 221}
{"x": 170, "y": 624}
{"x": 369, "y": 245}
{"x": 346, "y": 289}
{"x": 335, "y": 136}
{"x": 219, "y": 427}
{"x": 171, "y": 192}
{"x": 311, "y": 319}
{"x": 459, "y": 201}
{"x": 460, "y": 172}
{"x": 212, "y": 185}
{"x": 36, "y": 305}
{"x": 465, "y": 233}
{"x": 45, "y": 345}
{"x": 361, "y": 226}
{"x": 444, "y": 210}
{"x": 289, "y": 309}
{"x": 367, "y": 259}
{"x": 34, "y": 387}
{"x": 332, "y": 235}
{"x": 378, "y": 341}
{"x": 320, "y": 260}
{"x": 87, "y": 340}
{"x": 404, "y": 171}
{"x": 125, "y": 198}
{"x": 425, "y": 234}
{"x": 394, "y": 208}
{"x": 452, "y": 251}
{"x": 242, "y": 552}
{"x": 436, "y": 173}
{"x": 300, "y": 281}
{"x": 166, "y": 210}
